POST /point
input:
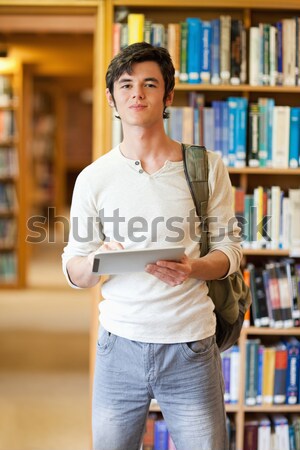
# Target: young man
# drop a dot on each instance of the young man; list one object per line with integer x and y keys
{"x": 157, "y": 334}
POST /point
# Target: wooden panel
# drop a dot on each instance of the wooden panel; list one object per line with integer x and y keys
{"x": 47, "y": 23}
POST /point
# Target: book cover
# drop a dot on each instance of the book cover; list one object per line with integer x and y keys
{"x": 183, "y": 76}
{"x": 234, "y": 374}
{"x": 236, "y": 51}
{"x": 281, "y": 136}
{"x": 251, "y": 371}
{"x": 253, "y": 141}
{"x": 225, "y": 27}
{"x": 284, "y": 292}
{"x": 292, "y": 376}
{"x": 281, "y": 427}
{"x": 264, "y": 432}
{"x": 259, "y": 301}
{"x": 161, "y": 435}
{"x": 215, "y": 51}
{"x": 294, "y": 137}
{"x": 205, "y": 68}
{"x": 293, "y": 289}
{"x": 225, "y": 358}
{"x": 194, "y": 49}
{"x": 281, "y": 361}
{"x": 251, "y": 434}
{"x": 135, "y": 28}
{"x": 272, "y": 284}
{"x": 254, "y": 56}
{"x": 268, "y": 376}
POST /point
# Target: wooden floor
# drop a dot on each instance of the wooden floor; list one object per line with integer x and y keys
{"x": 44, "y": 358}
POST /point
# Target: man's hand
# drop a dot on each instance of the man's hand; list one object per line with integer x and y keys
{"x": 172, "y": 273}
{"x": 107, "y": 246}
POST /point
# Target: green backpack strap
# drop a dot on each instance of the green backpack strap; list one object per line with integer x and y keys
{"x": 195, "y": 163}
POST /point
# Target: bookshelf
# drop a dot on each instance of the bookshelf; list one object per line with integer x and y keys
{"x": 12, "y": 251}
{"x": 251, "y": 13}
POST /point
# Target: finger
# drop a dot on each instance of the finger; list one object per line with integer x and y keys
{"x": 176, "y": 267}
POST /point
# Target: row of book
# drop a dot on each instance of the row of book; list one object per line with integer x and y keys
{"x": 9, "y": 166}
{"x": 8, "y": 267}
{"x": 8, "y": 197}
{"x": 215, "y": 51}
{"x": 275, "y": 290}
{"x": 6, "y": 91}
{"x": 8, "y": 232}
{"x": 7, "y": 125}
{"x": 231, "y": 374}
{"x": 274, "y": 55}
{"x": 268, "y": 218}
{"x": 274, "y": 432}
{"x": 272, "y": 373}
{"x": 258, "y": 135}
{"x": 157, "y": 436}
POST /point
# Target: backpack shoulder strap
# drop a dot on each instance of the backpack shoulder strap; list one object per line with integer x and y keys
{"x": 195, "y": 163}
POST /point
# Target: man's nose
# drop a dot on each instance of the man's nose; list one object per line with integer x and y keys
{"x": 138, "y": 92}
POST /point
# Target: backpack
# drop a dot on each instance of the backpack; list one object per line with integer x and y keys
{"x": 231, "y": 295}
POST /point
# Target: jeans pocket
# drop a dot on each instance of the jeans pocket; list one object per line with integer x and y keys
{"x": 105, "y": 341}
{"x": 198, "y": 349}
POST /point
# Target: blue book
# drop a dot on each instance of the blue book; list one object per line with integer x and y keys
{"x": 270, "y": 111}
{"x": 226, "y": 357}
{"x": 175, "y": 123}
{"x": 263, "y": 131}
{"x": 161, "y": 435}
{"x": 194, "y": 49}
{"x": 225, "y": 132}
{"x": 206, "y": 52}
{"x": 260, "y": 365}
{"x": 215, "y": 51}
{"x": 292, "y": 377}
{"x": 241, "y": 145}
{"x": 233, "y": 105}
{"x": 294, "y": 137}
{"x": 279, "y": 53}
{"x": 217, "y": 107}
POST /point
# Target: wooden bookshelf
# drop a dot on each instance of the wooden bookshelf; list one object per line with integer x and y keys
{"x": 251, "y": 12}
{"x": 12, "y": 215}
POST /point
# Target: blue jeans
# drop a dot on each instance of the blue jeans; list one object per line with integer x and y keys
{"x": 186, "y": 379}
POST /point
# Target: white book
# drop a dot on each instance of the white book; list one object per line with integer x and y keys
{"x": 281, "y": 136}
{"x": 289, "y": 51}
{"x": 294, "y": 238}
{"x": 264, "y": 433}
{"x": 275, "y": 216}
{"x": 273, "y": 55}
{"x": 254, "y": 56}
{"x": 285, "y": 224}
{"x": 209, "y": 127}
{"x": 234, "y": 374}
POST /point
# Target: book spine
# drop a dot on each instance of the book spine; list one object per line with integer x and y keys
{"x": 215, "y": 52}
{"x": 183, "y": 76}
{"x": 135, "y": 28}
{"x": 194, "y": 51}
{"x": 294, "y": 137}
{"x": 205, "y": 69}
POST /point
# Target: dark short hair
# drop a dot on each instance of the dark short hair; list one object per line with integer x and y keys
{"x": 137, "y": 53}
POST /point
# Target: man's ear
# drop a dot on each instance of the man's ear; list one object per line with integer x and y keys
{"x": 110, "y": 98}
{"x": 169, "y": 99}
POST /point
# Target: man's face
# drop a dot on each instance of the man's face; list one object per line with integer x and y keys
{"x": 139, "y": 95}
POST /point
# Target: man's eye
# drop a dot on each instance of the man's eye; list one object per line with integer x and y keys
{"x": 125, "y": 86}
{"x": 150, "y": 85}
